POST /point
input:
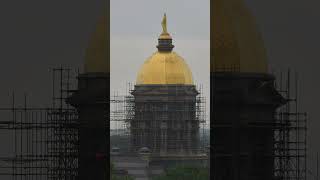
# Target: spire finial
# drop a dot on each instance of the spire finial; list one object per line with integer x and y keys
{"x": 164, "y": 24}
{"x": 164, "y": 34}
{"x": 165, "y": 40}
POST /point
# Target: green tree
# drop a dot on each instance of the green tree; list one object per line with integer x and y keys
{"x": 185, "y": 173}
{"x": 114, "y": 177}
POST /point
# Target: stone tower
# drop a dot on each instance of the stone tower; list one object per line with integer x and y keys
{"x": 243, "y": 97}
{"x": 165, "y": 104}
{"x": 92, "y": 103}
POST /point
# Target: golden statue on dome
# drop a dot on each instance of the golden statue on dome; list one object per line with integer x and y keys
{"x": 164, "y": 24}
{"x": 164, "y": 34}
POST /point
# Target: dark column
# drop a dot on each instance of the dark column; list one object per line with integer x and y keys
{"x": 243, "y": 107}
{"x": 91, "y": 101}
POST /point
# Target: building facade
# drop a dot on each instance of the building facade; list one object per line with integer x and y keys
{"x": 244, "y": 99}
{"x": 165, "y": 119}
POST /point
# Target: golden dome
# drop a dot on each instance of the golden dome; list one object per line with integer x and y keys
{"x": 97, "y": 54}
{"x": 165, "y": 68}
{"x": 237, "y": 45}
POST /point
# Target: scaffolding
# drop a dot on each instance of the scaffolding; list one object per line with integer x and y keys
{"x": 289, "y": 126}
{"x": 290, "y": 131}
{"x": 43, "y": 141}
{"x": 124, "y": 112}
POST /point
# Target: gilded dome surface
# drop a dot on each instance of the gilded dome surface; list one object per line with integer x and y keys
{"x": 237, "y": 44}
{"x": 96, "y": 58}
{"x": 165, "y": 68}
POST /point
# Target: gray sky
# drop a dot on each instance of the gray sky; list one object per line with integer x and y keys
{"x": 136, "y": 25}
